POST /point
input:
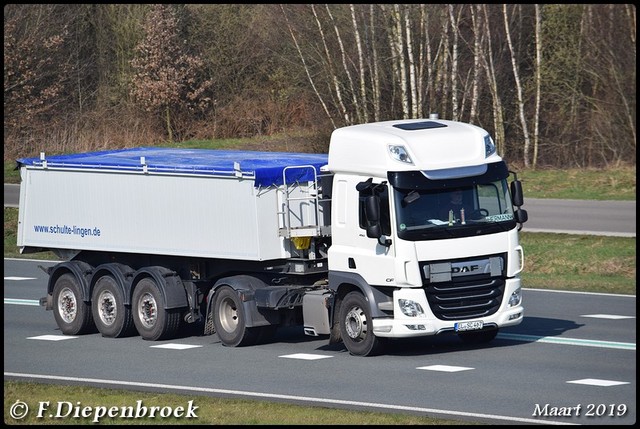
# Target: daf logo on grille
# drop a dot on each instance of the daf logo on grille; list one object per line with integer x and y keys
{"x": 447, "y": 271}
{"x": 464, "y": 269}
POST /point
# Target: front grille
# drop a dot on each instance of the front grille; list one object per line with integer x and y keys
{"x": 465, "y": 300}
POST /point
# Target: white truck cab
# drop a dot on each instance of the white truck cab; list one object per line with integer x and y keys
{"x": 403, "y": 263}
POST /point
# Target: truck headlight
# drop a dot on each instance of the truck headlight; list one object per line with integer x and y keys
{"x": 399, "y": 153}
{"x": 516, "y": 298}
{"x": 489, "y": 146}
{"x": 410, "y": 308}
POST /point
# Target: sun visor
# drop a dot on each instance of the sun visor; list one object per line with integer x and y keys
{"x": 454, "y": 173}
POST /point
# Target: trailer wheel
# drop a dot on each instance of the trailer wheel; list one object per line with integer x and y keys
{"x": 230, "y": 321}
{"x": 479, "y": 337}
{"x": 72, "y": 314}
{"x": 112, "y": 318}
{"x": 151, "y": 319}
{"x": 356, "y": 326}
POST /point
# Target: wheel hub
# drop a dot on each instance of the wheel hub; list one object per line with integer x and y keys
{"x": 67, "y": 306}
{"x": 107, "y": 308}
{"x": 228, "y": 315}
{"x": 148, "y": 310}
{"x": 355, "y": 324}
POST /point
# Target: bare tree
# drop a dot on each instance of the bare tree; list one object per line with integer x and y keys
{"x": 396, "y": 43}
{"x": 477, "y": 54}
{"x": 538, "y": 84}
{"x": 516, "y": 74}
{"x": 36, "y": 67}
{"x": 374, "y": 66}
{"x": 345, "y": 66}
{"x": 490, "y": 70}
{"x": 308, "y": 70}
{"x": 167, "y": 80}
{"x": 363, "y": 112}
{"x": 455, "y": 113}
{"x": 331, "y": 69}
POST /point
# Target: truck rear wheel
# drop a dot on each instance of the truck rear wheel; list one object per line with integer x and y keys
{"x": 230, "y": 321}
{"x": 112, "y": 318}
{"x": 72, "y": 314}
{"x": 151, "y": 319}
{"x": 356, "y": 326}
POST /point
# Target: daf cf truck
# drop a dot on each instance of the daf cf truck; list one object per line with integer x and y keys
{"x": 406, "y": 228}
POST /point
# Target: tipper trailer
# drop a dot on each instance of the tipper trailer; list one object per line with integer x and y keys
{"x": 360, "y": 245}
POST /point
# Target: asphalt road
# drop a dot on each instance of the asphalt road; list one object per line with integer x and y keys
{"x": 573, "y": 352}
{"x": 616, "y": 218}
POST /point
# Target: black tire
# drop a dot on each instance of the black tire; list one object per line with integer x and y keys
{"x": 356, "y": 326}
{"x": 478, "y": 337}
{"x": 151, "y": 319}
{"x": 230, "y": 321}
{"x": 112, "y": 318}
{"x": 72, "y": 314}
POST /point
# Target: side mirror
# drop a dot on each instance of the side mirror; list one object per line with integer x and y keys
{"x": 372, "y": 213}
{"x": 521, "y": 216}
{"x": 517, "y": 195}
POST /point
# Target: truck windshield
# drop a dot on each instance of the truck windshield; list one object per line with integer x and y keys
{"x": 463, "y": 210}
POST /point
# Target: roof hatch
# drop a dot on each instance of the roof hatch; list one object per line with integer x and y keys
{"x": 412, "y": 126}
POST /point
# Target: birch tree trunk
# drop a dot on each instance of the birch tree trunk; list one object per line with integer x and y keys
{"x": 397, "y": 49}
{"x": 455, "y": 114}
{"x": 345, "y": 66}
{"x": 375, "y": 77}
{"x": 412, "y": 68}
{"x": 477, "y": 36}
{"x": 442, "y": 65}
{"x": 516, "y": 76}
{"x": 332, "y": 73}
{"x": 487, "y": 61}
{"x": 536, "y": 118}
{"x": 363, "y": 113}
{"x": 426, "y": 77}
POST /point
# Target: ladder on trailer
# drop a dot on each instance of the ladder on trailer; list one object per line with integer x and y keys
{"x": 309, "y": 225}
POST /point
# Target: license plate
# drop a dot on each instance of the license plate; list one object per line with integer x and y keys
{"x": 468, "y": 326}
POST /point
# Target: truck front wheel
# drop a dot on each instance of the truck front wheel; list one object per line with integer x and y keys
{"x": 113, "y": 319}
{"x": 230, "y": 321}
{"x": 356, "y": 326}
{"x": 151, "y": 319}
{"x": 72, "y": 314}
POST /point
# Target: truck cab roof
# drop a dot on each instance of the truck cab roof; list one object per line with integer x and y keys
{"x": 437, "y": 147}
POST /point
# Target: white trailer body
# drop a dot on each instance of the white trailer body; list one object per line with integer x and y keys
{"x": 406, "y": 228}
{"x": 210, "y": 204}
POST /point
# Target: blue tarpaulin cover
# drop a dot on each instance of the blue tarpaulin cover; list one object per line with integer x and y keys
{"x": 265, "y": 167}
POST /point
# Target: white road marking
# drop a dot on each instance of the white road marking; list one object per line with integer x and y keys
{"x": 598, "y": 382}
{"x": 568, "y": 341}
{"x": 445, "y": 368}
{"x": 305, "y": 356}
{"x": 17, "y": 301}
{"x": 608, "y": 316}
{"x": 174, "y": 346}
{"x": 52, "y": 337}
